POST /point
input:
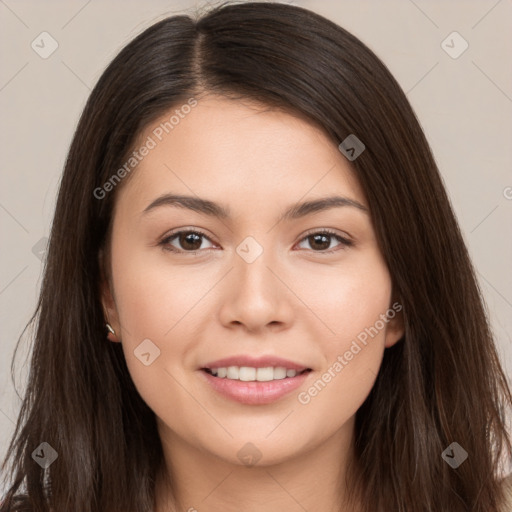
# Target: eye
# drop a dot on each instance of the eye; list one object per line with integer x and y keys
{"x": 322, "y": 240}
{"x": 189, "y": 240}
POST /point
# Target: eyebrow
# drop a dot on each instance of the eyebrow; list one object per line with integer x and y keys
{"x": 213, "y": 209}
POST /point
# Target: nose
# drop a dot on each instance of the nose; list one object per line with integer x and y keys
{"x": 256, "y": 296}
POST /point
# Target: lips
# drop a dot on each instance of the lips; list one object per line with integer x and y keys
{"x": 255, "y": 362}
{"x": 254, "y": 393}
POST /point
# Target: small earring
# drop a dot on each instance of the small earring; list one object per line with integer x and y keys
{"x": 109, "y": 327}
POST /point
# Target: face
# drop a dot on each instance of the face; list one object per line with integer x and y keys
{"x": 191, "y": 286}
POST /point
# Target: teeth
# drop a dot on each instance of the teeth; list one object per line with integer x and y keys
{"x": 248, "y": 374}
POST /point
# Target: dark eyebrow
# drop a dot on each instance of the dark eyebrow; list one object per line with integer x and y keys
{"x": 190, "y": 202}
{"x": 317, "y": 205}
{"x": 216, "y": 210}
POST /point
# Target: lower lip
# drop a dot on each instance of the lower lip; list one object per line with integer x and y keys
{"x": 255, "y": 392}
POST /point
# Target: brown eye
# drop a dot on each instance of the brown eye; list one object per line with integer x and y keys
{"x": 188, "y": 241}
{"x": 320, "y": 241}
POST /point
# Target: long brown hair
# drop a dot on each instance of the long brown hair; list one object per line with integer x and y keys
{"x": 441, "y": 383}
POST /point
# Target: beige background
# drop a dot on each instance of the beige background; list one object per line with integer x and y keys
{"x": 464, "y": 105}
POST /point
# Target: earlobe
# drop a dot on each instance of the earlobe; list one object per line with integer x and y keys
{"x": 112, "y": 325}
{"x": 395, "y": 329}
{"x": 392, "y": 336}
{"x": 110, "y": 314}
{"x": 112, "y": 334}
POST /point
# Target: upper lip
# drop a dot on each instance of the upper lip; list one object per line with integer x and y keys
{"x": 256, "y": 362}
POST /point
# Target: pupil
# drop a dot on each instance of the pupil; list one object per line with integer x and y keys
{"x": 185, "y": 240}
{"x": 325, "y": 239}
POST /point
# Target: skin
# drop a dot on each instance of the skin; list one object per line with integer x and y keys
{"x": 295, "y": 301}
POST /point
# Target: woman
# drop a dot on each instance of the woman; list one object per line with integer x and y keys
{"x": 327, "y": 349}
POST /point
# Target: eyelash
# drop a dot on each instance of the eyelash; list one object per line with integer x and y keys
{"x": 165, "y": 242}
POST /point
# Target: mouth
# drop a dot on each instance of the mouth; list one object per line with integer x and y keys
{"x": 251, "y": 374}
{"x": 254, "y": 386}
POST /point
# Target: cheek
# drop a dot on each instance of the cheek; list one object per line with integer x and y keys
{"x": 348, "y": 298}
{"x": 152, "y": 295}
{"x": 152, "y": 299}
{"x": 349, "y": 304}
{"x": 155, "y": 346}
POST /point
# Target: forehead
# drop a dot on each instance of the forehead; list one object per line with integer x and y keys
{"x": 241, "y": 151}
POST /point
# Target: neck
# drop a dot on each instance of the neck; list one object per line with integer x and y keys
{"x": 312, "y": 479}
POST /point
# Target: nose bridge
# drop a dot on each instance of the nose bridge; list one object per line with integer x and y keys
{"x": 251, "y": 265}
{"x": 255, "y": 296}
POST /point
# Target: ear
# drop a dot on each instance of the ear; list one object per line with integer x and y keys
{"x": 108, "y": 302}
{"x": 395, "y": 329}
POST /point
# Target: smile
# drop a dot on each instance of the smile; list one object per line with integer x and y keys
{"x": 276, "y": 384}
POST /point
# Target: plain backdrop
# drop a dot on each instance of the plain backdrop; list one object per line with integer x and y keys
{"x": 463, "y": 100}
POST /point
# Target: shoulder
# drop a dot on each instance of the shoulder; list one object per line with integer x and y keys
{"x": 507, "y": 488}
